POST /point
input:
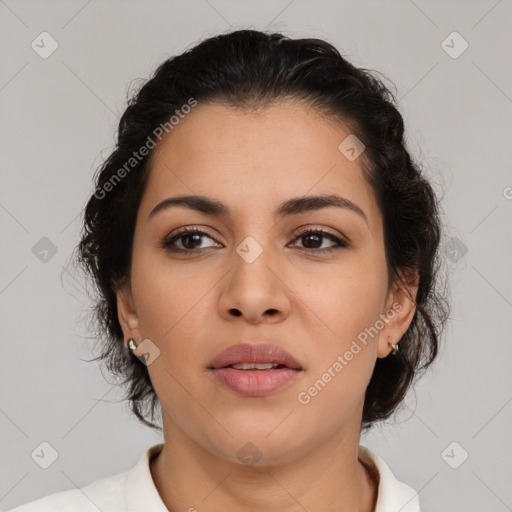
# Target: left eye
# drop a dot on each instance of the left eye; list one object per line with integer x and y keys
{"x": 316, "y": 235}
{"x": 193, "y": 236}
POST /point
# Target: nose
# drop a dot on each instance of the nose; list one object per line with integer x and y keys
{"x": 255, "y": 290}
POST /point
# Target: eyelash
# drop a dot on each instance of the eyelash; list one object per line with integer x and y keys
{"x": 168, "y": 241}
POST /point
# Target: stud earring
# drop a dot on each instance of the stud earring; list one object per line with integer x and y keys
{"x": 131, "y": 344}
{"x": 394, "y": 348}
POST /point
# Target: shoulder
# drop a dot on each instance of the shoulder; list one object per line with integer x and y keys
{"x": 393, "y": 495}
{"x": 132, "y": 490}
{"x": 106, "y": 494}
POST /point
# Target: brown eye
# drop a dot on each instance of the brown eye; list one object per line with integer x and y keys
{"x": 190, "y": 240}
{"x": 315, "y": 239}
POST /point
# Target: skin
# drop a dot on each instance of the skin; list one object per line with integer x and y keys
{"x": 311, "y": 303}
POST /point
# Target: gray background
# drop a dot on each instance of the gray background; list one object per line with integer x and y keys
{"x": 58, "y": 119}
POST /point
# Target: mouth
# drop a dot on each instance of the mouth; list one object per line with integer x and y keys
{"x": 255, "y": 370}
{"x": 257, "y": 366}
{"x": 260, "y": 357}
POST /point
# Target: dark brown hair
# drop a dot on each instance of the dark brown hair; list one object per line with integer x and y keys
{"x": 249, "y": 69}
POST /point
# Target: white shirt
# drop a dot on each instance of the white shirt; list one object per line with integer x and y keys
{"x": 135, "y": 491}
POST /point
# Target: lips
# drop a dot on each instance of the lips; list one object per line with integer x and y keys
{"x": 262, "y": 354}
{"x": 256, "y": 370}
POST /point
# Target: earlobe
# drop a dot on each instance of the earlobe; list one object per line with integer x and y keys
{"x": 400, "y": 310}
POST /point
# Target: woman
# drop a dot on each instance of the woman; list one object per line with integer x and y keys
{"x": 268, "y": 252}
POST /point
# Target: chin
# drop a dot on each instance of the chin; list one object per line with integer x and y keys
{"x": 258, "y": 449}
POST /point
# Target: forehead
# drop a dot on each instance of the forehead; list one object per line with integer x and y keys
{"x": 248, "y": 159}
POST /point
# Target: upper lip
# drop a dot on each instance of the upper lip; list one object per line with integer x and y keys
{"x": 250, "y": 353}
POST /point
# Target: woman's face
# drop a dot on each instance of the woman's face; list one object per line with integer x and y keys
{"x": 251, "y": 278}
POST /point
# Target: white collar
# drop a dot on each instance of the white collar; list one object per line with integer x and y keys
{"x": 393, "y": 495}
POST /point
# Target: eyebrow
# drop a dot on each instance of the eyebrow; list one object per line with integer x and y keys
{"x": 294, "y": 206}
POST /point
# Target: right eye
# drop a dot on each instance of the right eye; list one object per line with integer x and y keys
{"x": 191, "y": 237}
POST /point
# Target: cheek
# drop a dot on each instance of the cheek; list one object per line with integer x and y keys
{"x": 341, "y": 317}
{"x": 344, "y": 351}
{"x": 176, "y": 310}
{"x": 169, "y": 294}
{"x": 173, "y": 305}
{"x": 342, "y": 303}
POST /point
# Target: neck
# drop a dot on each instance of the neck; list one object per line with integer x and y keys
{"x": 328, "y": 477}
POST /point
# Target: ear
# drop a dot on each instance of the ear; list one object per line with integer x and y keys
{"x": 398, "y": 313}
{"x": 126, "y": 312}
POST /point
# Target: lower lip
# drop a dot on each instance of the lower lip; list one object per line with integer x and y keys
{"x": 255, "y": 382}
